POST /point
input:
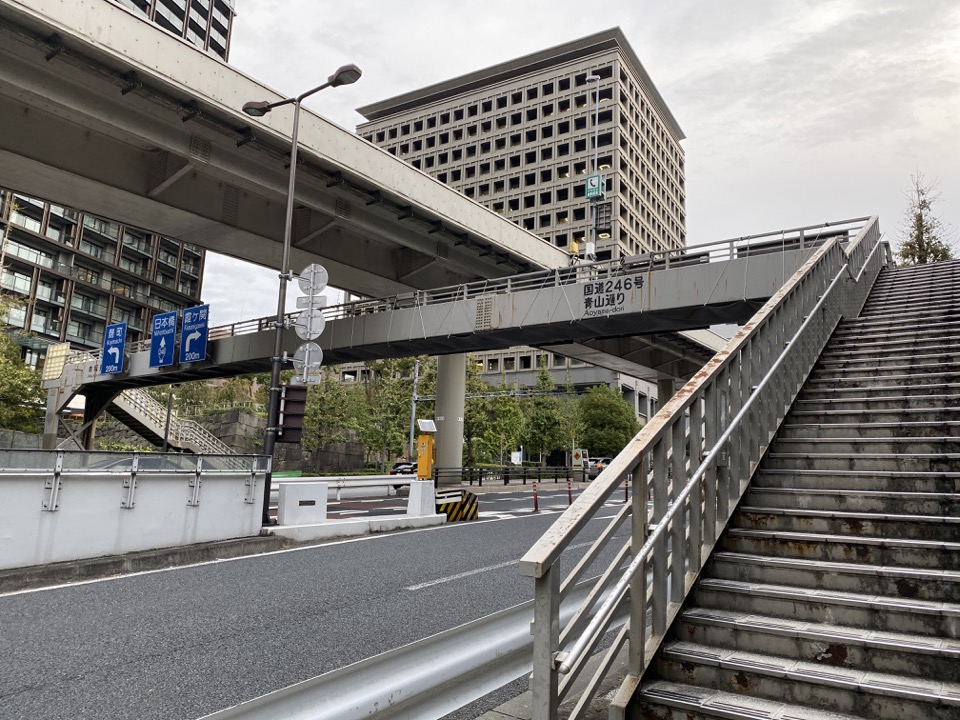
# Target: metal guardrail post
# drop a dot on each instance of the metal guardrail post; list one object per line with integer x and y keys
{"x": 546, "y": 636}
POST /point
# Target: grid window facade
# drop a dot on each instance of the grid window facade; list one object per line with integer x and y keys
{"x": 540, "y": 132}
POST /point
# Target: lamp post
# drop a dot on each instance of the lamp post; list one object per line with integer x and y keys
{"x": 345, "y": 75}
{"x": 596, "y": 149}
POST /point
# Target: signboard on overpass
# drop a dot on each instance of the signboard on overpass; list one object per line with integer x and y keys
{"x": 193, "y": 334}
{"x": 162, "y": 339}
{"x": 114, "y": 338}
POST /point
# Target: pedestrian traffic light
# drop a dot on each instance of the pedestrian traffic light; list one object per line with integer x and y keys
{"x": 293, "y": 406}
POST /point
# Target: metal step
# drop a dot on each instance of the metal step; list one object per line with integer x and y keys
{"x": 884, "y": 353}
{"x": 867, "y": 446}
{"x": 843, "y": 381}
{"x": 854, "y": 524}
{"x": 880, "y": 580}
{"x": 946, "y": 354}
{"x": 882, "y": 696}
{"x": 881, "y": 389}
{"x": 827, "y": 644}
{"x": 881, "y": 402}
{"x": 888, "y": 462}
{"x": 842, "y": 499}
{"x": 898, "y": 345}
{"x": 874, "y": 415}
{"x": 852, "y": 331}
{"x": 797, "y": 430}
{"x": 838, "y": 373}
{"x": 858, "y": 481}
{"x": 668, "y": 700}
{"x": 899, "y": 552}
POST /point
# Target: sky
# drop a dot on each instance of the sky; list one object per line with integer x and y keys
{"x": 796, "y": 112}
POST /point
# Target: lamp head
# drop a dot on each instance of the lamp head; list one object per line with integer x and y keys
{"x": 592, "y": 78}
{"x": 345, "y": 75}
{"x": 256, "y": 109}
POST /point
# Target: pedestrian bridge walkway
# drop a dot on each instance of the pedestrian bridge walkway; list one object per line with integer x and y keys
{"x": 652, "y": 306}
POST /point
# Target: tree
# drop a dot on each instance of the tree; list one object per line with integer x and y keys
{"x": 387, "y": 424}
{"x": 924, "y": 239}
{"x": 571, "y": 424}
{"x": 544, "y": 428}
{"x": 503, "y": 430}
{"x": 609, "y": 422}
{"x": 333, "y": 409}
{"x": 21, "y": 396}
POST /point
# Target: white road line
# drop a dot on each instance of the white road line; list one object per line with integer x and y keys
{"x": 458, "y": 576}
{"x": 468, "y": 573}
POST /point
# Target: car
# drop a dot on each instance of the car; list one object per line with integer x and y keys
{"x": 596, "y": 465}
{"x": 403, "y": 468}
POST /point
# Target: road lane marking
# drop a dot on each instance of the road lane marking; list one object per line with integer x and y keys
{"x": 477, "y": 571}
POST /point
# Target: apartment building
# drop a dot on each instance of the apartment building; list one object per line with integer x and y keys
{"x": 71, "y": 273}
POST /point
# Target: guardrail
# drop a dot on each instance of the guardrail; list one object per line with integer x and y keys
{"x": 507, "y": 474}
{"x": 426, "y": 679}
{"x": 709, "y": 438}
{"x": 345, "y": 482}
{"x": 809, "y": 236}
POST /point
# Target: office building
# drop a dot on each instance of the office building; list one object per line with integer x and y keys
{"x": 70, "y": 273}
{"x": 523, "y": 137}
{"x": 518, "y": 138}
{"x": 205, "y": 23}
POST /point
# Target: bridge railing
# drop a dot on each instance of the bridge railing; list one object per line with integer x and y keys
{"x": 695, "y": 458}
{"x": 800, "y": 238}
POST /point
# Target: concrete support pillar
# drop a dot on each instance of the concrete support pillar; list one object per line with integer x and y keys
{"x": 665, "y": 391}
{"x": 451, "y": 387}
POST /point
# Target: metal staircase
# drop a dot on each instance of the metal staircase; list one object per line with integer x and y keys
{"x": 141, "y": 413}
{"x": 835, "y": 590}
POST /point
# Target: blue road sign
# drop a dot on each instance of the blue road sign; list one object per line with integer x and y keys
{"x": 162, "y": 338}
{"x": 111, "y": 360}
{"x": 193, "y": 334}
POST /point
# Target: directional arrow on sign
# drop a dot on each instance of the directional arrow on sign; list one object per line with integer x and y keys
{"x": 162, "y": 353}
{"x": 195, "y": 335}
{"x": 115, "y": 351}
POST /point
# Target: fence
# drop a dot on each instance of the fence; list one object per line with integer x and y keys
{"x": 709, "y": 438}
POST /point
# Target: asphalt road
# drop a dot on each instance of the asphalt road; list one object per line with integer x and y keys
{"x": 185, "y": 642}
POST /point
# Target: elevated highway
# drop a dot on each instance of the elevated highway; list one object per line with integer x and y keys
{"x": 100, "y": 110}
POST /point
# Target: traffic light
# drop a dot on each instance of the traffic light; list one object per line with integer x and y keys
{"x": 293, "y": 406}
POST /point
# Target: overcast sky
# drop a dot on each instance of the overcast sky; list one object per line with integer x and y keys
{"x": 796, "y": 112}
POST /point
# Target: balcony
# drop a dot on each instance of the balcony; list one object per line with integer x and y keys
{"x": 45, "y": 326}
{"x": 89, "y": 307}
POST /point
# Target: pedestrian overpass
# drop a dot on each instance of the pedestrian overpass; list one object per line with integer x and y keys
{"x": 644, "y": 316}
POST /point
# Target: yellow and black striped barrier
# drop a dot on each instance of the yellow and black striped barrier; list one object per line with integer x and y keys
{"x": 457, "y": 504}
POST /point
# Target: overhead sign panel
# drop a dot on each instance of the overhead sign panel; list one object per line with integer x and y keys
{"x": 193, "y": 334}
{"x": 162, "y": 339}
{"x": 114, "y": 338}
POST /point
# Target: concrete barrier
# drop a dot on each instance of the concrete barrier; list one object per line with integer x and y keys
{"x": 302, "y": 503}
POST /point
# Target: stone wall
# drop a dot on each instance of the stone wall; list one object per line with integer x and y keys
{"x": 19, "y": 440}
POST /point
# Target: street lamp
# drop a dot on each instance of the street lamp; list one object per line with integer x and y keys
{"x": 345, "y": 75}
{"x": 596, "y": 149}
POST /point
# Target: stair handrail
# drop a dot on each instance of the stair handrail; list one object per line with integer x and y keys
{"x": 188, "y": 433}
{"x": 722, "y": 420}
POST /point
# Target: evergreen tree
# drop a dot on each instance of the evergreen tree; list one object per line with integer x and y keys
{"x": 504, "y": 427}
{"x": 544, "y": 427}
{"x": 333, "y": 409}
{"x": 609, "y": 422}
{"x": 924, "y": 239}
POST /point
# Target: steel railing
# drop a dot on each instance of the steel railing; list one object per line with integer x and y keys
{"x": 695, "y": 459}
{"x": 801, "y": 238}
